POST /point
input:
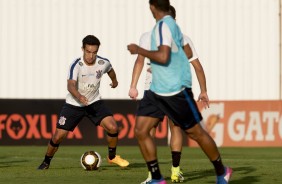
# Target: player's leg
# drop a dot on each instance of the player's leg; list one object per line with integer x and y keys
{"x": 183, "y": 110}
{"x": 153, "y": 134}
{"x": 197, "y": 133}
{"x": 70, "y": 116}
{"x": 101, "y": 115}
{"x": 52, "y": 148}
{"x": 110, "y": 126}
{"x": 209, "y": 147}
{"x": 146, "y": 143}
{"x": 148, "y": 116}
{"x": 176, "y": 143}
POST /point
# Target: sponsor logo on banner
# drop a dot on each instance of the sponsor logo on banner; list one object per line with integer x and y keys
{"x": 36, "y": 126}
{"x": 244, "y": 123}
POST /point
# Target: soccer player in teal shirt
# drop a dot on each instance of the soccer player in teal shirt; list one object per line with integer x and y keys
{"x": 171, "y": 94}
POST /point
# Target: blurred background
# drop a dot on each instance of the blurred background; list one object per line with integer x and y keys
{"x": 238, "y": 42}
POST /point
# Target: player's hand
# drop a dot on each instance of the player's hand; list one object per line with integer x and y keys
{"x": 133, "y": 93}
{"x": 133, "y": 48}
{"x": 82, "y": 99}
{"x": 204, "y": 99}
{"x": 114, "y": 84}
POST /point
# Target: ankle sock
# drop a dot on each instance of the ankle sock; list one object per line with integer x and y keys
{"x": 112, "y": 153}
{"x": 176, "y": 155}
{"x": 219, "y": 168}
{"x": 153, "y": 167}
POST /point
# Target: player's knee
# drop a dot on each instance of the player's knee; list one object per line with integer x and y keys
{"x": 57, "y": 139}
{"x": 112, "y": 129}
{"x": 197, "y": 135}
{"x": 139, "y": 133}
{"x": 54, "y": 143}
{"x": 110, "y": 125}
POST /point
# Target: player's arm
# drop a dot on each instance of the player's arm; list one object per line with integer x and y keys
{"x": 160, "y": 56}
{"x": 197, "y": 67}
{"x": 203, "y": 97}
{"x": 200, "y": 75}
{"x": 192, "y": 56}
{"x": 188, "y": 51}
{"x": 113, "y": 77}
{"x": 137, "y": 69}
{"x": 163, "y": 43}
{"x": 72, "y": 88}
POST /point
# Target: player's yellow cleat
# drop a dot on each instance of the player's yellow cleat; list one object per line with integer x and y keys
{"x": 176, "y": 175}
{"x": 119, "y": 161}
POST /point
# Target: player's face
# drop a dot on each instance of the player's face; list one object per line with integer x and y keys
{"x": 90, "y": 53}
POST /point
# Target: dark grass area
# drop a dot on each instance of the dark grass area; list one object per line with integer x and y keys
{"x": 251, "y": 165}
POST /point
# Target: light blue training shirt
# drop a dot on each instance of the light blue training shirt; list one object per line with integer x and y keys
{"x": 175, "y": 75}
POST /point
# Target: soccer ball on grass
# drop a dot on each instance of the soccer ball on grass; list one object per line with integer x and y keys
{"x": 90, "y": 160}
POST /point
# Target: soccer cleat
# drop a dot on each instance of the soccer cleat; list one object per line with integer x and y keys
{"x": 224, "y": 179}
{"x": 119, "y": 161}
{"x": 160, "y": 181}
{"x": 43, "y": 166}
{"x": 148, "y": 179}
{"x": 176, "y": 175}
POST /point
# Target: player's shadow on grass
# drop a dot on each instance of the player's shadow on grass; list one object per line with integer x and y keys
{"x": 245, "y": 172}
{"x": 131, "y": 165}
{"x": 135, "y": 165}
{"x": 195, "y": 175}
{"x": 11, "y": 163}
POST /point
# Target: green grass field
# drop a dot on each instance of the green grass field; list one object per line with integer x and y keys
{"x": 251, "y": 165}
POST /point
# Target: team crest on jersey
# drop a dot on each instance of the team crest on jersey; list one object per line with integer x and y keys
{"x": 99, "y": 74}
{"x": 62, "y": 120}
{"x": 80, "y": 63}
{"x": 101, "y": 62}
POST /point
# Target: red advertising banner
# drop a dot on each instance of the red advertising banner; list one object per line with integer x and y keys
{"x": 244, "y": 123}
{"x": 32, "y": 122}
{"x": 230, "y": 123}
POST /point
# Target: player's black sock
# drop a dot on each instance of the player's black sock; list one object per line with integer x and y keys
{"x": 153, "y": 167}
{"x": 48, "y": 159}
{"x": 176, "y": 155}
{"x": 112, "y": 153}
{"x": 219, "y": 168}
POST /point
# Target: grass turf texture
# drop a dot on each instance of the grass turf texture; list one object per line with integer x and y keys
{"x": 18, "y": 164}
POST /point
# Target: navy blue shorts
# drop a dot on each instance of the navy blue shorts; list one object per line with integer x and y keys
{"x": 71, "y": 115}
{"x": 180, "y": 108}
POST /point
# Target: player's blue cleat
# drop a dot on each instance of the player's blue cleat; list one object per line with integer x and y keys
{"x": 224, "y": 179}
{"x": 160, "y": 181}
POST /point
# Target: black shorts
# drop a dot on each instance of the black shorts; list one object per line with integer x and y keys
{"x": 71, "y": 115}
{"x": 180, "y": 108}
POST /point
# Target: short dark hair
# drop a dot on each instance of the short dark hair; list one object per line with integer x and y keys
{"x": 172, "y": 11}
{"x": 90, "y": 40}
{"x": 162, "y": 5}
